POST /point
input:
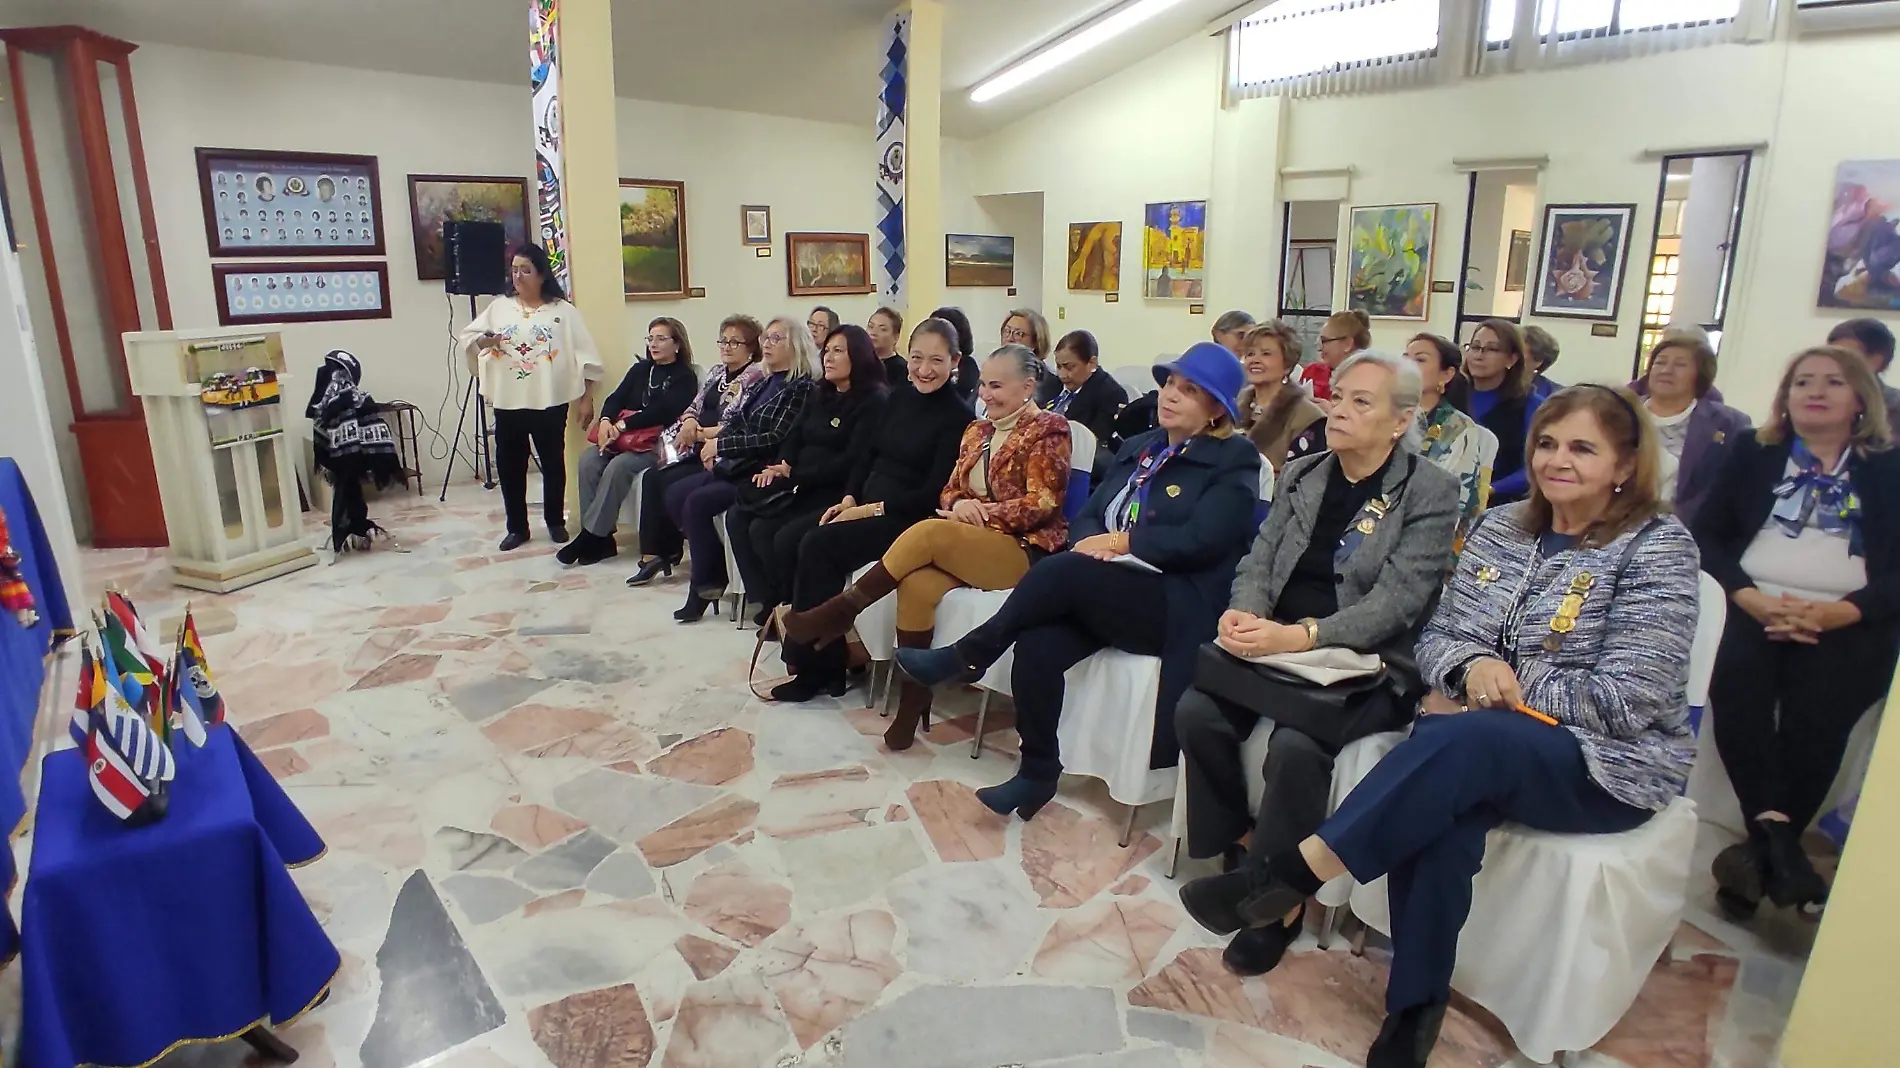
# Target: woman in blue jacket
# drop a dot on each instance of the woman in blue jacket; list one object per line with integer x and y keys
{"x": 1179, "y": 499}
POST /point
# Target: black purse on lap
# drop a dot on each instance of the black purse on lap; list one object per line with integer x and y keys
{"x": 1335, "y": 716}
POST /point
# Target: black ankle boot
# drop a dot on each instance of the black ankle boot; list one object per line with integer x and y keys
{"x": 1257, "y": 950}
{"x": 1790, "y": 878}
{"x": 801, "y": 688}
{"x": 1407, "y": 1037}
{"x": 695, "y": 607}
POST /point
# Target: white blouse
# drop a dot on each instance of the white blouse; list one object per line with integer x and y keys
{"x": 547, "y": 357}
{"x": 1672, "y": 432}
{"x": 1815, "y": 565}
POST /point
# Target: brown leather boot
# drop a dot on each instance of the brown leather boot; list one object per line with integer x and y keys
{"x": 827, "y": 622}
{"x": 913, "y": 699}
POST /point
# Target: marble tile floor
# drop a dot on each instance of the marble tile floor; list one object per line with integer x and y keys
{"x": 563, "y": 833}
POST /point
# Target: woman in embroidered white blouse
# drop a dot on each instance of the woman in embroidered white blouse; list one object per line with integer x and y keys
{"x": 533, "y": 358}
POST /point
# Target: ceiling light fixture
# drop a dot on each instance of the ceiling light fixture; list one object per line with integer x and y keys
{"x": 1085, "y": 40}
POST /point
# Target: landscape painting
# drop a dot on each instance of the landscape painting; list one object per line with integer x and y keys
{"x": 1861, "y": 268}
{"x": 1390, "y": 260}
{"x": 1095, "y": 256}
{"x": 822, "y": 265}
{"x": 1174, "y": 250}
{"x": 653, "y": 239}
{"x": 435, "y": 199}
{"x": 1580, "y": 271}
{"x": 979, "y": 260}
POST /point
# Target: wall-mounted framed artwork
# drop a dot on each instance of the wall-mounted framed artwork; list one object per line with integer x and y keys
{"x": 827, "y": 265}
{"x": 755, "y": 224}
{"x": 1174, "y": 250}
{"x": 327, "y": 291}
{"x": 435, "y": 199}
{"x": 978, "y": 260}
{"x": 1517, "y": 261}
{"x": 653, "y": 239}
{"x": 1858, "y": 269}
{"x": 260, "y": 203}
{"x": 1580, "y": 267}
{"x": 1389, "y": 260}
{"x": 1095, "y": 257}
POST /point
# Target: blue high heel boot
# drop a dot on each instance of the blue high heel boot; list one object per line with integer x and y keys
{"x": 1025, "y": 797}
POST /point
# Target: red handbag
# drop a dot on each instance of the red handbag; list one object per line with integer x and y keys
{"x": 644, "y": 439}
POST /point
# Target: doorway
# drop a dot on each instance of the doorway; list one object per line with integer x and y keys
{"x": 1308, "y": 256}
{"x": 1699, "y": 202}
{"x": 1500, "y": 216}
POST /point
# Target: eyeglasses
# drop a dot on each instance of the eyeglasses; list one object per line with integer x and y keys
{"x": 1324, "y": 340}
{"x": 731, "y": 342}
{"x": 1488, "y": 350}
{"x": 656, "y": 339}
{"x": 771, "y": 339}
{"x": 1014, "y": 334}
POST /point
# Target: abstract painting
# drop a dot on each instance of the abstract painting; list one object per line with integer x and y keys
{"x": 979, "y": 260}
{"x": 1390, "y": 265}
{"x": 822, "y": 265}
{"x": 653, "y": 238}
{"x": 1580, "y": 270}
{"x": 1862, "y": 266}
{"x": 435, "y": 199}
{"x": 1174, "y": 250}
{"x": 1095, "y": 256}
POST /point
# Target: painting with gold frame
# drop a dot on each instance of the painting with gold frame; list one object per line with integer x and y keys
{"x": 826, "y": 265}
{"x": 653, "y": 239}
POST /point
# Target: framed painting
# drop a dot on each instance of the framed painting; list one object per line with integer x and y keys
{"x": 290, "y": 203}
{"x": 979, "y": 260}
{"x": 1580, "y": 267}
{"x": 1517, "y": 261}
{"x": 435, "y": 199}
{"x": 755, "y": 224}
{"x": 1389, "y": 260}
{"x": 824, "y": 265}
{"x": 653, "y": 239}
{"x": 1095, "y": 257}
{"x": 330, "y": 291}
{"x": 1859, "y": 268}
{"x": 1174, "y": 250}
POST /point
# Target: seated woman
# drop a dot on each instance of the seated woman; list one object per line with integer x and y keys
{"x": 1000, "y": 512}
{"x": 1577, "y": 606}
{"x": 894, "y": 484}
{"x": 1181, "y": 499}
{"x": 968, "y": 373}
{"x": 1503, "y": 400}
{"x": 751, "y": 433}
{"x": 1089, "y": 395}
{"x": 739, "y": 371}
{"x": 1802, "y": 528}
{"x": 784, "y": 502}
{"x": 1343, "y": 334}
{"x": 1352, "y": 552}
{"x": 655, "y": 392}
{"x": 1448, "y": 437}
{"x": 1695, "y": 428}
{"x": 886, "y": 327}
{"x": 1027, "y": 327}
{"x": 1278, "y": 416}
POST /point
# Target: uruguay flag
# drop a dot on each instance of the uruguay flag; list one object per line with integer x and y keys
{"x": 140, "y": 746}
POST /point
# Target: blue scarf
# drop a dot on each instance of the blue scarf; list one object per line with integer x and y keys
{"x": 1825, "y": 499}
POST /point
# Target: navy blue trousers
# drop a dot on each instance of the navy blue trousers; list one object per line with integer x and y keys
{"x": 1420, "y": 819}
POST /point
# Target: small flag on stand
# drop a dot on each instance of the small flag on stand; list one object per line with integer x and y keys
{"x": 91, "y": 695}
{"x": 126, "y": 671}
{"x": 210, "y": 703}
{"x": 188, "y": 683}
{"x": 135, "y": 798}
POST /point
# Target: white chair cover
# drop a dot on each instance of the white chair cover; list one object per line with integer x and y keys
{"x": 877, "y": 624}
{"x": 735, "y": 582}
{"x": 1082, "y": 446}
{"x": 1138, "y": 381}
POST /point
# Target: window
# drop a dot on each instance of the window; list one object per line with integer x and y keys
{"x": 1332, "y": 45}
{"x": 1571, "y": 18}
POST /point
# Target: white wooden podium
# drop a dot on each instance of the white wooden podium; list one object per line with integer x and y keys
{"x": 215, "y": 413}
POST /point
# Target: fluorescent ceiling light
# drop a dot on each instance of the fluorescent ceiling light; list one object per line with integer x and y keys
{"x": 1085, "y": 40}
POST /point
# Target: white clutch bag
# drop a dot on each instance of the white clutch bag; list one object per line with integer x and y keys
{"x": 1323, "y": 667}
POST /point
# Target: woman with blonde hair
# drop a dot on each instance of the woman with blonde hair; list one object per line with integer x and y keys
{"x": 1802, "y": 528}
{"x": 1343, "y": 334}
{"x": 1277, "y": 416}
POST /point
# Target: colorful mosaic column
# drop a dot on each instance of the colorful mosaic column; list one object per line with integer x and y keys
{"x": 544, "y": 58}
{"x": 892, "y": 105}
{"x": 909, "y": 258}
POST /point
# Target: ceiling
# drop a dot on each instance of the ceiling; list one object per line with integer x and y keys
{"x": 812, "y": 59}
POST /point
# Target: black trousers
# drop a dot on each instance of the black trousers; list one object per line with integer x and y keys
{"x": 827, "y": 556}
{"x": 1298, "y": 770}
{"x": 1787, "y": 762}
{"x": 659, "y": 535}
{"x": 1068, "y": 607}
{"x": 766, "y": 548}
{"x": 546, "y": 428}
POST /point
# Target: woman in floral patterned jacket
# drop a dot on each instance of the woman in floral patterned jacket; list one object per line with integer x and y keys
{"x": 1000, "y": 512}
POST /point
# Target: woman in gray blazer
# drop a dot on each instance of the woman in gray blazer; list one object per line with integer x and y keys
{"x": 1560, "y": 659}
{"x": 1350, "y": 557}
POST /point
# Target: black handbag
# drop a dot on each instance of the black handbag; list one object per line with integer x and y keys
{"x": 773, "y": 499}
{"x": 1334, "y": 716}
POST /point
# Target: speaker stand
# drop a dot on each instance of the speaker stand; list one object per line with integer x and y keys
{"x": 483, "y": 463}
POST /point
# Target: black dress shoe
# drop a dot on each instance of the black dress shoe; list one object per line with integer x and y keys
{"x": 571, "y": 552}
{"x": 651, "y": 568}
{"x": 595, "y": 548}
{"x": 694, "y": 609}
{"x": 558, "y": 532}
{"x": 1257, "y": 950}
{"x": 1790, "y": 879}
{"x": 1250, "y": 897}
{"x": 514, "y": 540}
{"x": 1407, "y": 1037}
{"x": 803, "y": 688}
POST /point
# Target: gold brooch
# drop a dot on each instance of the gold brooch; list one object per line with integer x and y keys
{"x": 1364, "y": 526}
{"x": 834, "y": 421}
{"x": 1488, "y": 574}
{"x": 1721, "y": 436}
{"x": 1174, "y": 491}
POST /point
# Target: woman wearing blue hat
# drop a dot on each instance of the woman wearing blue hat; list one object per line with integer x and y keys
{"x": 1179, "y": 499}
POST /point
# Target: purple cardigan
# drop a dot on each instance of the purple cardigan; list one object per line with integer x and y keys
{"x": 1713, "y": 428}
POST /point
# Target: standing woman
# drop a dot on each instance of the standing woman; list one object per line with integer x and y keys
{"x": 1027, "y": 327}
{"x": 968, "y": 373}
{"x": 532, "y": 356}
{"x": 895, "y": 483}
{"x": 654, "y": 393}
{"x": 782, "y": 503}
{"x": 1503, "y": 400}
{"x": 754, "y": 428}
{"x": 1000, "y": 512}
{"x": 1802, "y": 529}
{"x": 739, "y": 371}
{"x": 886, "y": 327}
{"x": 1448, "y": 437}
{"x": 1180, "y": 498}
{"x": 1278, "y": 417}
{"x": 1696, "y": 429}
{"x": 1343, "y": 334}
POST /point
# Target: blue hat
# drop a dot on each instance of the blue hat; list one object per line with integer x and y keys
{"x": 1212, "y": 368}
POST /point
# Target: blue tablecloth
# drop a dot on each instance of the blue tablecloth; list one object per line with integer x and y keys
{"x": 138, "y": 939}
{"x": 23, "y": 653}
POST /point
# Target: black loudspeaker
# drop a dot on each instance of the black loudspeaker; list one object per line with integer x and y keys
{"x": 475, "y": 258}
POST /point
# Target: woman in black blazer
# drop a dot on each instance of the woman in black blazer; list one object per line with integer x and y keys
{"x": 1181, "y": 500}
{"x": 1089, "y": 395}
{"x": 1803, "y": 531}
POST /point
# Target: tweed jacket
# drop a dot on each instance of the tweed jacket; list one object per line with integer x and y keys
{"x": 1387, "y": 582}
{"x": 1618, "y": 678}
{"x": 1028, "y": 478}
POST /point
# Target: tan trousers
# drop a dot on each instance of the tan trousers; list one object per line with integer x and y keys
{"x": 938, "y": 555}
